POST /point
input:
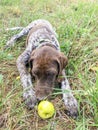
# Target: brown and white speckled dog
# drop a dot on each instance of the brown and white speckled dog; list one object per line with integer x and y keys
{"x": 47, "y": 64}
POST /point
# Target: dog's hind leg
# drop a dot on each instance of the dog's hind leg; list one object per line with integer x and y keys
{"x": 14, "y": 38}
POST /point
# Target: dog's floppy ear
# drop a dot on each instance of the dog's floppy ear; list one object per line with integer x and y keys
{"x": 62, "y": 62}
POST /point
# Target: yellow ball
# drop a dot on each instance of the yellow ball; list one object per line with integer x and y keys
{"x": 46, "y": 109}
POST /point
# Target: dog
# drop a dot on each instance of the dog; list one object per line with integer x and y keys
{"x": 47, "y": 65}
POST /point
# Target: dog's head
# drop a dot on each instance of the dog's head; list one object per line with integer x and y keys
{"x": 46, "y": 66}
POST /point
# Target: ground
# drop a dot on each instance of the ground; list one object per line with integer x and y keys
{"x": 76, "y": 23}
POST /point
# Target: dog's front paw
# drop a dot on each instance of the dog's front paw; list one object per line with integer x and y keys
{"x": 71, "y": 106}
{"x": 30, "y": 99}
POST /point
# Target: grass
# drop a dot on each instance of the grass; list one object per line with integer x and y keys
{"x": 76, "y": 23}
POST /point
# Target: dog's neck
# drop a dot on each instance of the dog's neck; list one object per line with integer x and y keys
{"x": 45, "y": 42}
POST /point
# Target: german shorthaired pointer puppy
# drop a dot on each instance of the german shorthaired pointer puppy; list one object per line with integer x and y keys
{"x": 47, "y": 63}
